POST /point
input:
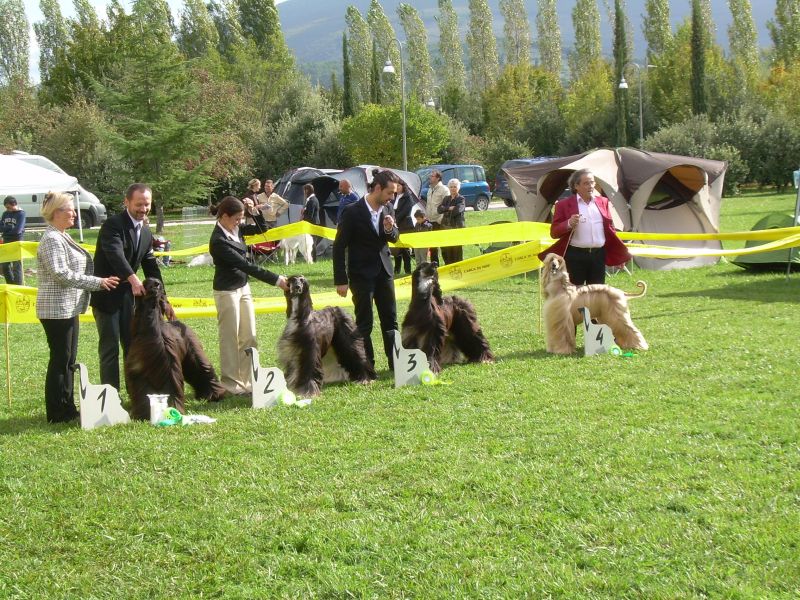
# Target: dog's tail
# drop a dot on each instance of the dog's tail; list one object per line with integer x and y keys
{"x": 642, "y": 286}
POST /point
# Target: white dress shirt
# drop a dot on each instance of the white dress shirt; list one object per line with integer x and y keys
{"x": 589, "y": 231}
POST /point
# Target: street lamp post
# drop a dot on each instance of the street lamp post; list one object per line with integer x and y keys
{"x": 389, "y": 68}
{"x": 431, "y": 103}
{"x": 623, "y": 85}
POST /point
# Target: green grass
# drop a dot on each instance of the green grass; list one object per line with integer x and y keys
{"x": 671, "y": 474}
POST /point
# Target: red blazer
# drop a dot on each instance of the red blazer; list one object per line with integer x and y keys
{"x": 616, "y": 252}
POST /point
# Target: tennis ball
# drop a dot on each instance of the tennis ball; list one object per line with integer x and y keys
{"x": 427, "y": 377}
{"x": 615, "y": 350}
{"x": 287, "y": 397}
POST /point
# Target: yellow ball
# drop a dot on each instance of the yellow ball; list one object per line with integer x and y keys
{"x": 427, "y": 377}
{"x": 287, "y": 397}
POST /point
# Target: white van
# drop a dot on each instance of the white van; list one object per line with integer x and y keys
{"x": 93, "y": 212}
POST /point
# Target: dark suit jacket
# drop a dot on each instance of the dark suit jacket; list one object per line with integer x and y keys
{"x": 231, "y": 267}
{"x": 367, "y": 253}
{"x": 405, "y": 222}
{"x": 117, "y": 254}
{"x": 616, "y": 251}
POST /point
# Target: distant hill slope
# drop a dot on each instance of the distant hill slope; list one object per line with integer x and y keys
{"x": 313, "y": 28}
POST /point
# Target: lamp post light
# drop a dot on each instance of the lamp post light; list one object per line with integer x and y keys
{"x": 389, "y": 68}
{"x": 623, "y": 85}
{"x": 431, "y": 103}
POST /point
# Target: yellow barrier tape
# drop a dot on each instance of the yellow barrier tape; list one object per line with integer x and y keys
{"x": 761, "y": 234}
{"x": 20, "y": 302}
{"x": 645, "y": 251}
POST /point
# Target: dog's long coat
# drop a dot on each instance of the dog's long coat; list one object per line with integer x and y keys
{"x": 163, "y": 355}
{"x": 445, "y": 328}
{"x": 606, "y": 304}
{"x": 319, "y": 345}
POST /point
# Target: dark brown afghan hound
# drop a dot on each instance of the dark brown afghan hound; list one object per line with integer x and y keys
{"x": 164, "y": 354}
{"x": 319, "y": 345}
{"x": 446, "y": 328}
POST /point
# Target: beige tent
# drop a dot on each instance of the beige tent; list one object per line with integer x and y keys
{"x": 650, "y": 192}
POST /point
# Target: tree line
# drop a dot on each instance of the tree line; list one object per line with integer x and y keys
{"x": 199, "y": 106}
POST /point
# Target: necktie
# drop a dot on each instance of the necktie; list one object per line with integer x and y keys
{"x": 137, "y": 230}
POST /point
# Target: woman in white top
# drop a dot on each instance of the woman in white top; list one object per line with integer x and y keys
{"x": 65, "y": 277}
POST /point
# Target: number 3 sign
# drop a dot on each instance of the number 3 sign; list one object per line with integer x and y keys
{"x": 408, "y": 364}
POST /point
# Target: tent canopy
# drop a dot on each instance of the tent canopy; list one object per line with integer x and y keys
{"x": 21, "y": 178}
{"x": 776, "y": 260}
{"x": 649, "y": 192}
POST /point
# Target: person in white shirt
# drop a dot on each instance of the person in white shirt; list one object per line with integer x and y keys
{"x": 437, "y": 192}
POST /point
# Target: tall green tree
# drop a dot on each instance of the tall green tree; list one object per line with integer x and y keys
{"x": 657, "y": 28}
{"x": 699, "y": 47}
{"x": 347, "y": 80}
{"x": 517, "y": 32}
{"x": 586, "y": 23}
{"x": 224, "y": 15}
{"x": 51, "y": 35}
{"x": 14, "y": 47}
{"x": 155, "y": 131}
{"x": 484, "y": 65}
{"x": 784, "y": 30}
{"x": 452, "y": 69}
{"x": 359, "y": 44}
{"x": 620, "y": 60}
{"x": 260, "y": 22}
{"x": 549, "y": 34}
{"x": 375, "y": 92}
{"x": 383, "y": 35}
{"x": 419, "y": 72}
{"x": 197, "y": 34}
{"x": 154, "y": 18}
{"x": 743, "y": 43}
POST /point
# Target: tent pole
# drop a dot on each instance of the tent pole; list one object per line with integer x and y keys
{"x": 796, "y": 216}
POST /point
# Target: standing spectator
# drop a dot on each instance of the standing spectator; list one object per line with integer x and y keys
{"x": 583, "y": 226}
{"x": 311, "y": 213}
{"x": 271, "y": 204}
{"x": 362, "y": 263}
{"x": 123, "y": 245}
{"x": 437, "y": 192}
{"x": 346, "y": 197}
{"x": 253, "y": 190}
{"x": 452, "y": 211}
{"x": 421, "y": 225}
{"x": 13, "y": 221}
{"x": 65, "y": 279}
{"x": 236, "y": 315}
{"x": 403, "y": 205}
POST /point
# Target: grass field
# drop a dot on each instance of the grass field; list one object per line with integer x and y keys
{"x": 671, "y": 474}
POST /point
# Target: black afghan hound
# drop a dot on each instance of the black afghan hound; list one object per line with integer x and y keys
{"x": 319, "y": 345}
{"x": 164, "y": 354}
{"x": 446, "y": 328}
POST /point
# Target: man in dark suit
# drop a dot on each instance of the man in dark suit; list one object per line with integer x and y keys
{"x": 584, "y": 228}
{"x": 123, "y": 245}
{"x": 364, "y": 230}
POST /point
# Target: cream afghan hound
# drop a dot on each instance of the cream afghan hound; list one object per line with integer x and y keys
{"x": 606, "y": 304}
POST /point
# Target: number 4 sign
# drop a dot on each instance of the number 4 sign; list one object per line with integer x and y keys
{"x": 597, "y": 339}
{"x": 408, "y": 364}
{"x": 268, "y": 383}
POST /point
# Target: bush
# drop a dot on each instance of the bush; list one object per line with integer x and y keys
{"x": 499, "y": 150}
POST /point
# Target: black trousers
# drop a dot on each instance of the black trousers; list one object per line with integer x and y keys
{"x": 59, "y": 395}
{"x": 435, "y": 251}
{"x": 113, "y": 328}
{"x": 381, "y": 291}
{"x": 586, "y": 265}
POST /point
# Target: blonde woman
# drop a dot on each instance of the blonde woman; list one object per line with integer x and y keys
{"x": 65, "y": 280}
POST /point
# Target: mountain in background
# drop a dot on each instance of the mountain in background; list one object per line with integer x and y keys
{"x": 313, "y": 28}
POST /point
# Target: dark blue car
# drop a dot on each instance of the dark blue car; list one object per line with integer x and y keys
{"x": 474, "y": 187}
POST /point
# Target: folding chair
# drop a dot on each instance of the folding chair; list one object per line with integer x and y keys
{"x": 265, "y": 252}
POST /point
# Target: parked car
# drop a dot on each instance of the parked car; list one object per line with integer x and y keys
{"x": 474, "y": 187}
{"x": 93, "y": 212}
{"x": 501, "y": 189}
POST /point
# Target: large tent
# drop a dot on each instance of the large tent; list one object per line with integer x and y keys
{"x": 30, "y": 183}
{"x": 649, "y": 192}
{"x": 359, "y": 177}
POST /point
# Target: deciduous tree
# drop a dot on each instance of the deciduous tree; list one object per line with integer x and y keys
{"x": 197, "y": 35}
{"x": 453, "y": 73}
{"x": 383, "y": 35}
{"x": 784, "y": 30}
{"x": 657, "y": 29}
{"x": 549, "y": 36}
{"x": 51, "y": 35}
{"x": 699, "y": 42}
{"x": 359, "y": 44}
{"x": 419, "y": 72}
{"x": 482, "y": 46}
{"x": 586, "y": 23}
{"x": 260, "y": 22}
{"x": 14, "y": 50}
{"x": 517, "y": 32}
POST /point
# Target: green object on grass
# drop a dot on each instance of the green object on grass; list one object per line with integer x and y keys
{"x": 171, "y": 417}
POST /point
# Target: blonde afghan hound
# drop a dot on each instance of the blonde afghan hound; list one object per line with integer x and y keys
{"x": 606, "y": 304}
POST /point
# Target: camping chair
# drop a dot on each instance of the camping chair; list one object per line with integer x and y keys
{"x": 265, "y": 252}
